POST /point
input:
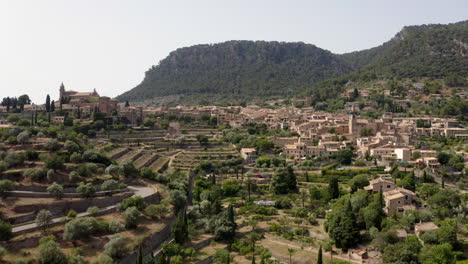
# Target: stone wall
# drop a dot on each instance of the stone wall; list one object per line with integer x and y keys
{"x": 61, "y": 208}
{"x": 151, "y": 243}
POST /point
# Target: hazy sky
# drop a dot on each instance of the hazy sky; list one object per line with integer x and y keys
{"x": 109, "y": 44}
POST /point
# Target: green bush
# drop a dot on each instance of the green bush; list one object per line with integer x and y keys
{"x": 5, "y": 231}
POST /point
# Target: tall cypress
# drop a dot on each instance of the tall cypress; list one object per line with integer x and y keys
{"x": 47, "y": 103}
{"x": 139, "y": 259}
{"x": 319, "y": 258}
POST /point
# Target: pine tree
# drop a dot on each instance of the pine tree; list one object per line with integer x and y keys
{"x": 319, "y": 258}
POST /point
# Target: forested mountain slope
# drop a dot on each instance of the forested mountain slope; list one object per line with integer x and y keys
{"x": 245, "y": 69}
{"x": 235, "y": 68}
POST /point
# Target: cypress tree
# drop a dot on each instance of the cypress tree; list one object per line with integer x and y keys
{"x": 333, "y": 188}
{"x": 319, "y": 258}
{"x": 47, "y": 103}
{"x": 139, "y": 259}
{"x": 52, "y": 106}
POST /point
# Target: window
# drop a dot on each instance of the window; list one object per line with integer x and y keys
{"x": 398, "y": 201}
{"x": 388, "y": 186}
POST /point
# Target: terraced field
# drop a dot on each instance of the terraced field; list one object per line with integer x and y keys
{"x": 190, "y": 158}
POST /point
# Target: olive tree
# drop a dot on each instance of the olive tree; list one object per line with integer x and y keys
{"x": 43, "y": 218}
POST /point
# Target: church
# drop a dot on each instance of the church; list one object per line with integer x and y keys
{"x": 85, "y": 102}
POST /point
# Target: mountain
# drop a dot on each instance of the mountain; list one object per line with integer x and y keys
{"x": 239, "y": 68}
{"x": 417, "y": 51}
{"x": 247, "y": 69}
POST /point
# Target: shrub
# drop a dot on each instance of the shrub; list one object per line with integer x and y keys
{"x": 86, "y": 190}
{"x": 73, "y": 176}
{"x": 52, "y": 145}
{"x": 23, "y": 122}
{"x": 23, "y": 137}
{"x": 6, "y": 186}
{"x": 128, "y": 169}
{"x": 283, "y": 203}
{"x": 93, "y": 210}
{"x": 54, "y": 162}
{"x": 72, "y": 214}
{"x": 75, "y": 157}
{"x": 109, "y": 185}
{"x": 14, "y": 159}
{"x": 55, "y": 190}
{"x": 2, "y": 252}
{"x": 136, "y": 201}
{"x": 79, "y": 228}
{"x": 116, "y": 227}
{"x": 156, "y": 210}
{"x": 116, "y": 247}
{"x": 71, "y": 146}
{"x": 103, "y": 259}
{"x": 5, "y": 231}
{"x": 3, "y": 166}
{"x": 49, "y": 252}
{"x": 131, "y": 216}
{"x": 113, "y": 170}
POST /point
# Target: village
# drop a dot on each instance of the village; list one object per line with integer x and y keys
{"x": 274, "y": 165}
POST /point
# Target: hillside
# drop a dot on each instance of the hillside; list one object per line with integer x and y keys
{"x": 239, "y": 68}
{"x": 417, "y": 51}
{"x": 246, "y": 69}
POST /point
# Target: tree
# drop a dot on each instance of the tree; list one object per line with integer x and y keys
{"x": 341, "y": 225}
{"x": 5, "y": 231}
{"x": 131, "y": 216}
{"x": 156, "y": 210}
{"x": 6, "y": 186}
{"x": 55, "y": 190}
{"x": 54, "y": 162}
{"x": 49, "y": 252}
{"x": 222, "y": 256}
{"x": 284, "y": 181}
{"x": 117, "y": 247}
{"x": 443, "y": 158}
{"x": 139, "y": 259}
{"x": 291, "y": 251}
{"x": 180, "y": 228}
{"x": 128, "y": 169}
{"x": 440, "y": 254}
{"x": 358, "y": 182}
{"x": 178, "y": 199}
{"x": 86, "y": 190}
{"x": 47, "y": 103}
{"x": 225, "y": 225}
{"x": 71, "y": 146}
{"x": 23, "y": 137}
{"x": 79, "y": 228}
{"x": 344, "y": 156}
{"x": 319, "y": 257}
{"x": 103, "y": 259}
{"x": 43, "y": 218}
{"x": 202, "y": 139}
{"x": 333, "y": 187}
{"x": 110, "y": 185}
{"x": 52, "y": 106}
